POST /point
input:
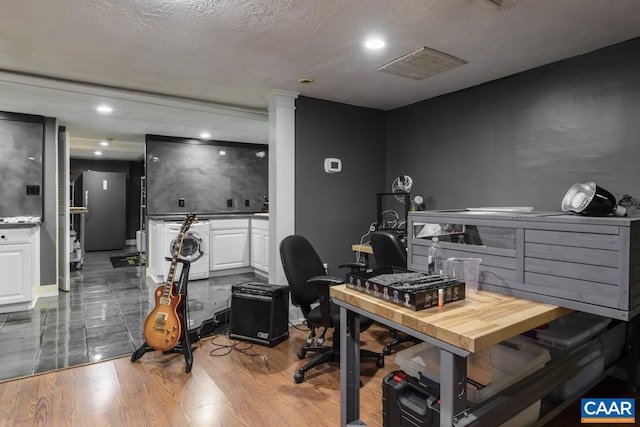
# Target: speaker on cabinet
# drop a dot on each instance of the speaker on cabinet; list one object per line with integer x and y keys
{"x": 260, "y": 313}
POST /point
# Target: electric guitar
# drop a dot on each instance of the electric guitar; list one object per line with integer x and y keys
{"x": 163, "y": 326}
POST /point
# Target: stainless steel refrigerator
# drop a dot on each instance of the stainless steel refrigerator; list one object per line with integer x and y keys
{"x": 104, "y": 194}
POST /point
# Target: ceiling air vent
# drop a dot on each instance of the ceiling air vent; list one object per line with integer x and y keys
{"x": 500, "y": 4}
{"x": 421, "y": 64}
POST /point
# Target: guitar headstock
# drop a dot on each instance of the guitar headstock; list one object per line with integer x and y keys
{"x": 186, "y": 224}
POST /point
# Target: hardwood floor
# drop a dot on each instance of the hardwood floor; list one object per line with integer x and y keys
{"x": 234, "y": 389}
{"x": 230, "y": 390}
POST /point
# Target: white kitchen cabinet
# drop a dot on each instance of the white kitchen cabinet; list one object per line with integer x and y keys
{"x": 229, "y": 244}
{"x": 260, "y": 244}
{"x": 155, "y": 249}
{"x": 19, "y": 263}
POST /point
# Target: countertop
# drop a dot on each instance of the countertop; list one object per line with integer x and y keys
{"x": 7, "y": 225}
{"x": 203, "y": 216}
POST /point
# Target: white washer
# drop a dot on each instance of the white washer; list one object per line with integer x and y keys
{"x": 195, "y": 248}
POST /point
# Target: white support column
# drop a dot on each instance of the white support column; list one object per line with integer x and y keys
{"x": 281, "y": 176}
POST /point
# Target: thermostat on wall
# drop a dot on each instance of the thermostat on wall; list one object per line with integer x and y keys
{"x": 332, "y": 165}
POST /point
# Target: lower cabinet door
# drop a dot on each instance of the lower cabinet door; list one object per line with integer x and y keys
{"x": 228, "y": 249}
{"x": 17, "y": 280}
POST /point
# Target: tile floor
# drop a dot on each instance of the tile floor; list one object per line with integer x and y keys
{"x": 100, "y": 318}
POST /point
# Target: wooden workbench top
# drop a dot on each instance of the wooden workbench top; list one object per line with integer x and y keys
{"x": 479, "y": 321}
{"x": 367, "y": 249}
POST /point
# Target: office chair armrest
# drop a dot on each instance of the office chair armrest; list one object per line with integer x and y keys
{"x": 325, "y": 280}
{"x": 324, "y": 283}
{"x": 354, "y": 266}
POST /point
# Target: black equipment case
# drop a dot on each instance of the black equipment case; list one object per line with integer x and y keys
{"x": 407, "y": 402}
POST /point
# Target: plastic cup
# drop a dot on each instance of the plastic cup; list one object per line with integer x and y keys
{"x": 454, "y": 267}
{"x": 471, "y": 272}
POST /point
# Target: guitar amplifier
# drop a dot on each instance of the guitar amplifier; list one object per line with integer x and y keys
{"x": 260, "y": 313}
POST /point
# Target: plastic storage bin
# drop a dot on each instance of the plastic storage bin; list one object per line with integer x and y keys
{"x": 570, "y": 331}
{"x": 592, "y": 369}
{"x": 488, "y": 371}
{"x": 612, "y": 343}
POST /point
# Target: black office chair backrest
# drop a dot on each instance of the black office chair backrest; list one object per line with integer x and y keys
{"x": 300, "y": 262}
{"x": 388, "y": 250}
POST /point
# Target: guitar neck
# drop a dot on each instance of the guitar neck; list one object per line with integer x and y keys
{"x": 168, "y": 288}
{"x": 172, "y": 269}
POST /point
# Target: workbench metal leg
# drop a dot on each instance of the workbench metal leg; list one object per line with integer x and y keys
{"x": 453, "y": 386}
{"x": 632, "y": 343}
{"x": 349, "y": 368}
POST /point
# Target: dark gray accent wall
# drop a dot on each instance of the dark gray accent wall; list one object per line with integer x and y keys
{"x": 209, "y": 176}
{"x": 334, "y": 210}
{"x": 133, "y": 170}
{"x": 21, "y": 148}
{"x": 525, "y": 139}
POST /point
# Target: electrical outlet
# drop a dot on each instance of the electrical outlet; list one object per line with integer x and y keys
{"x": 246, "y": 203}
{"x": 181, "y": 203}
{"x": 229, "y": 203}
{"x": 33, "y": 190}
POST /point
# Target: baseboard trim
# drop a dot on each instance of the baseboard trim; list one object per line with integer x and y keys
{"x": 47, "y": 290}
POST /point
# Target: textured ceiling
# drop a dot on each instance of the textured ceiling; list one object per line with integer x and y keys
{"x": 233, "y": 52}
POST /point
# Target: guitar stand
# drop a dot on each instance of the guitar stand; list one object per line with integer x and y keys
{"x": 184, "y": 344}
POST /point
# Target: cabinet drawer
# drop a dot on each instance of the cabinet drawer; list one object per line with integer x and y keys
{"x": 229, "y": 224}
{"x": 15, "y": 235}
{"x": 260, "y": 224}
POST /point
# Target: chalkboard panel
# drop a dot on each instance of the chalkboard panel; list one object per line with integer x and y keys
{"x": 186, "y": 175}
{"x": 21, "y": 145}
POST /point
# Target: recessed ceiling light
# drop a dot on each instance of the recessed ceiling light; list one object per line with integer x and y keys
{"x": 306, "y": 81}
{"x": 104, "y": 143}
{"x": 374, "y": 44}
{"x": 222, "y": 152}
{"x": 98, "y": 153}
{"x": 104, "y": 109}
{"x": 205, "y": 135}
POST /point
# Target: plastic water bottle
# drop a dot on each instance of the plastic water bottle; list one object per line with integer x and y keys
{"x": 435, "y": 257}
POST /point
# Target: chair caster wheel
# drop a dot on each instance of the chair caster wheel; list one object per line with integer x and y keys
{"x": 301, "y": 354}
{"x": 320, "y": 340}
{"x": 380, "y": 362}
{"x": 386, "y": 350}
{"x": 298, "y": 377}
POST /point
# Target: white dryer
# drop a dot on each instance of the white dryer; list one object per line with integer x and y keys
{"x": 195, "y": 248}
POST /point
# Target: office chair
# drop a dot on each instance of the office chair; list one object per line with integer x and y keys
{"x": 390, "y": 252}
{"x": 308, "y": 284}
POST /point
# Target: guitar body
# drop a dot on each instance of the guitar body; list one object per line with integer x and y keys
{"x": 163, "y": 326}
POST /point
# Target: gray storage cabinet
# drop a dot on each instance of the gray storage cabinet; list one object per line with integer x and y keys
{"x": 584, "y": 263}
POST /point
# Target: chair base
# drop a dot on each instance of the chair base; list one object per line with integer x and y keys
{"x": 399, "y": 340}
{"x": 327, "y": 355}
